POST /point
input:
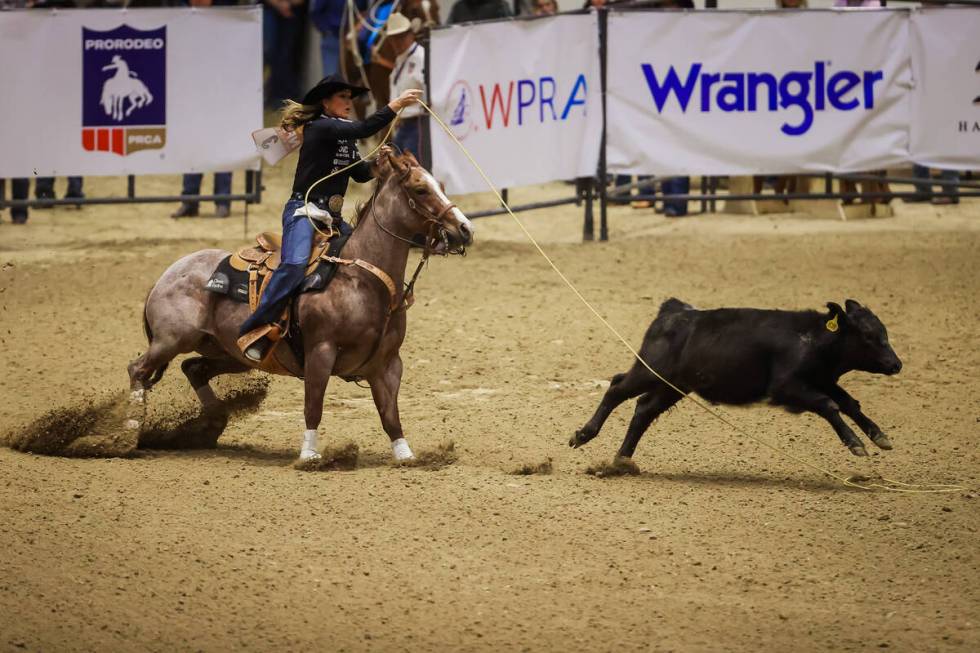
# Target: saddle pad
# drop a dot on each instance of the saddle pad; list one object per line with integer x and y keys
{"x": 226, "y": 280}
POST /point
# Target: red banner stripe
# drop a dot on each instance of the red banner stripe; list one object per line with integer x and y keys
{"x": 118, "y": 141}
{"x": 103, "y": 140}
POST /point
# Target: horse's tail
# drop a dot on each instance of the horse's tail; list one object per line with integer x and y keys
{"x": 158, "y": 373}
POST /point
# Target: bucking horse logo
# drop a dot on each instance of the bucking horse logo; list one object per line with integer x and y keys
{"x": 124, "y": 85}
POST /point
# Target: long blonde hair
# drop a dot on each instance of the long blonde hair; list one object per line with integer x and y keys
{"x": 294, "y": 115}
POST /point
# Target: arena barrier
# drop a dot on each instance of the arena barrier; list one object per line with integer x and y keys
{"x": 686, "y": 93}
{"x": 138, "y": 92}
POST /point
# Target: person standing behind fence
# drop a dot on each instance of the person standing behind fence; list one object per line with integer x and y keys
{"x": 327, "y": 16}
{"x": 408, "y": 73}
{"x": 468, "y": 11}
{"x": 192, "y": 186}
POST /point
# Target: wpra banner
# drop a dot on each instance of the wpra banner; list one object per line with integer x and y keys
{"x": 749, "y": 93}
{"x": 522, "y": 96}
{"x": 96, "y": 92}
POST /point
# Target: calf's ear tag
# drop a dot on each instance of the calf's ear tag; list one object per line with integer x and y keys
{"x": 832, "y": 324}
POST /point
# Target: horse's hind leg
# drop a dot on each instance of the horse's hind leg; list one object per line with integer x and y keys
{"x": 214, "y": 415}
{"x": 201, "y": 370}
{"x": 144, "y": 373}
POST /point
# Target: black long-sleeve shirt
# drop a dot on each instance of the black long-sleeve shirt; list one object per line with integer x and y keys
{"x": 330, "y": 144}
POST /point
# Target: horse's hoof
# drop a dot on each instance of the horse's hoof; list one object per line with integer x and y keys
{"x": 881, "y": 441}
{"x": 858, "y": 450}
{"x": 579, "y": 439}
{"x": 309, "y": 454}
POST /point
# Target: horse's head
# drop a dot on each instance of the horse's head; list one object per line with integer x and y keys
{"x": 429, "y": 213}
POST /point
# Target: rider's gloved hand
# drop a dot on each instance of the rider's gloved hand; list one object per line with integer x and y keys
{"x": 409, "y": 97}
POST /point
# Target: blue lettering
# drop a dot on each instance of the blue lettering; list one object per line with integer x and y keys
{"x": 755, "y": 79}
{"x": 799, "y": 99}
{"x": 740, "y": 92}
{"x": 548, "y": 99}
{"x": 707, "y": 80}
{"x": 732, "y": 97}
{"x": 870, "y": 77}
{"x": 573, "y": 98}
{"x": 521, "y": 101}
{"x": 840, "y": 85}
{"x": 672, "y": 84}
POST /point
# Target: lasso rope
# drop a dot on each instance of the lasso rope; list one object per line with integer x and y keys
{"x": 856, "y": 481}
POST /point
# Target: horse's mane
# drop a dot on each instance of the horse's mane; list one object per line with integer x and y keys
{"x": 361, "y": 207}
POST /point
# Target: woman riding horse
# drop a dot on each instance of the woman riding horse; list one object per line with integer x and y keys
{"x": 329, "y": 144}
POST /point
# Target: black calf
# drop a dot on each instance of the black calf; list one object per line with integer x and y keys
{"x": 745, "y": 355}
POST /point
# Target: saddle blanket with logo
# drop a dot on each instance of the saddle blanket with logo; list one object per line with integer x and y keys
{"x": 230, "y": 281}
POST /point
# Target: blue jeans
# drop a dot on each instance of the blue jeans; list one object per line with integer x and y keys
{"x": 222, "y": 186}
{"x": 20, "y": 189}
{"x": 297, "y": 243}
{"x": 44, "y": 186}
{"x": 330, "y": 53}
{"x": 675, "y": 186}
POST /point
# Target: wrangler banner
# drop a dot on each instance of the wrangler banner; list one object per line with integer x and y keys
{"x": 755, "y": 93}
{"x": 529, "y": 112}
{"x": 98, "y": 92}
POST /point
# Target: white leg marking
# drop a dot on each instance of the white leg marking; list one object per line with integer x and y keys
{"x": 401, "y": 450}
{"x": 309, "y": 452}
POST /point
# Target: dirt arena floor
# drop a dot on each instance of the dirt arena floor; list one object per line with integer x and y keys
{"x": 718, "y": 545}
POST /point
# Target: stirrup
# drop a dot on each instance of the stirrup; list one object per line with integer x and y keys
{"x": 257, "y": 344}
{"x": 256, "y": 351}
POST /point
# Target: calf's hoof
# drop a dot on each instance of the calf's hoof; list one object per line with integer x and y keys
{"x": 580, "y": 438}
{"x": 858, "y": 450}
{"x": 881, "y": 441}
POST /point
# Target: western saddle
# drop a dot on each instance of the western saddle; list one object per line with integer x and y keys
{"x": 261, "y": 260}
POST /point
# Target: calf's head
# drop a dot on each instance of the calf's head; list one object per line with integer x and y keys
{"x": 865, "y": 339}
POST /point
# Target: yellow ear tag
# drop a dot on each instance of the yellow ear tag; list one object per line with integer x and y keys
{"x": 832, "y": 324}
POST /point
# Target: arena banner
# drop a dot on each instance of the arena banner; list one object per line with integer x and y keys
{"x": 523, "y": 96}
{"x": 750, "y": 93}
{"x": 100, "y": 92}
{"x": 945, "y": 47}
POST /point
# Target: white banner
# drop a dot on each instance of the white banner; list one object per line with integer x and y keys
{"x": 946, "y": 97}
{"x": 523, "y": 96}
{"x": 752, "y": 93}
{"x": 99, "y": 92}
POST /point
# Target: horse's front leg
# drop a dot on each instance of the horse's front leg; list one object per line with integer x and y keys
{"x": 319, "y": 365}
{"x": 384, "y": 389}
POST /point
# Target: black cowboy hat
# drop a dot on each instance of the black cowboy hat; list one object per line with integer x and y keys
{"x": 328, "y": 86}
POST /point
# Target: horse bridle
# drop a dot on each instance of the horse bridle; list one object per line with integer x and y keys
{"x": 435, "y": 235}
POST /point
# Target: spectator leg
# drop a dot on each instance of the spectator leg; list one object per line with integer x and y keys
{"x": 19, "y": 189}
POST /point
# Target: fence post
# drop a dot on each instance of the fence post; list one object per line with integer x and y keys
{"x": 131, "y": 186}
{"x": 603, "y": 172}
{"x": 588, "y": 222}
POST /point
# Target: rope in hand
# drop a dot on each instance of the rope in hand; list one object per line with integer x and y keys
{"x": 855, "y": 481}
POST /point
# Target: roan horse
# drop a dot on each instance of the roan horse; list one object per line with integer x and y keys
{"x": 348, "y": 329}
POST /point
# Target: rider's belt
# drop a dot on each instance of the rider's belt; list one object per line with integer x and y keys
{"x": 334, "y": 204}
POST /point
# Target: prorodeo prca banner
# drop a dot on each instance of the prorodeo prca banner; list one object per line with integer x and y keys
{"x": 97, "y": 92}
